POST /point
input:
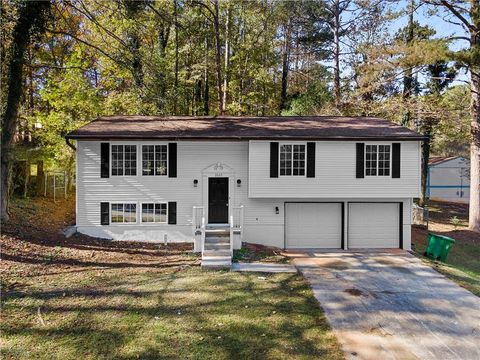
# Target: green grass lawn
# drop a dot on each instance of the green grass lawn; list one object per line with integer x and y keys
{"x": 83, "y": 298}
{"x": 183, "y": 313}
{"x": 462, "y": 265}
{"x": 463, "y": 261}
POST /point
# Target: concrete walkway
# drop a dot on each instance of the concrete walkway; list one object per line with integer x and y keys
{"x": 388, "y": 305}
{"x": 264, "y": 267}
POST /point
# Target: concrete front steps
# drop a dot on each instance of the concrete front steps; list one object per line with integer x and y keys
{"x": 216, "y": 252}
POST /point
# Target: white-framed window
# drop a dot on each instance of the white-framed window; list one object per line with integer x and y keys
{"x": 154, "y": 160}
{"x": 123, "y": 213}
{"x": 154, "y": 213}
{"x": 377, "y": 160}
{"x": 124, "y": 160}
{"x": 292, "y": 159}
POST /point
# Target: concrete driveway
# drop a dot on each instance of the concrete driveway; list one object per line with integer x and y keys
{"x": 388, "y": 305}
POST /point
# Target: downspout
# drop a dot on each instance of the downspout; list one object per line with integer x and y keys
{"x": 70, "y": 145}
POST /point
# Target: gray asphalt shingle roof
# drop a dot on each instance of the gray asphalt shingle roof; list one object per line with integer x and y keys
{"x": 243, "y": 128}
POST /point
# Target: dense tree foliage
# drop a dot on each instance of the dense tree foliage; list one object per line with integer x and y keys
{"x": 237, "y": 57}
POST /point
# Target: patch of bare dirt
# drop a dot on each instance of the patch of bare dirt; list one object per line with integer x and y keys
{"x": 33, "y": 244}
{"x": 255, "y": 252}
{"x": 441, "y": 215}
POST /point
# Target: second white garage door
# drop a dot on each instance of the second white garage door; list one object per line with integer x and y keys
{"x": 313, "y": 225}
{"x": 373, "y": 225}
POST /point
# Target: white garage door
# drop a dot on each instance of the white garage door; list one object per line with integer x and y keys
{"x": 373, "y": 225}
{"x": 313, "y": 225}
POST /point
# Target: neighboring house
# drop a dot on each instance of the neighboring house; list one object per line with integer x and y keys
{"x": 448, "y": 178}
{"x": 289, "y": 182}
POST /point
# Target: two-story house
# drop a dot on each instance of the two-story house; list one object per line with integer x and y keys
{"x": 289, "y": 182}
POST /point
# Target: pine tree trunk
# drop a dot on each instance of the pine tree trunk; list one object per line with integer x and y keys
{"x": 31, "y": 13}
{"x": 408, "y": 78}
{"x": 206, "y": 97}
{"x": 425, "y": 159}
{"x": 227, "y": 61}
{"x": 134, "y": 41}
{"x": 336, "y": 54}
{"x": 175, "y": 90}
{"x": 285, "y": 65}
{"x": 218, "y": 63}
{"x": 474, "y": 211}
{"x": 26, "y": 179}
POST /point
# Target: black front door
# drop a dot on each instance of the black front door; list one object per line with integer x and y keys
{"x": 218, "y": 200}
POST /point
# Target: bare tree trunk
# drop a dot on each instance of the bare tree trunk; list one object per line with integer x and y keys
{"x": 218, "y": 63}
{"x": 474, "y": 211}
{"x": 408, "y": 77}
{"x": 31, "y": 13}
{"x": 133, "y": 9}
{"x": 285, "y": 64}
{"x": 163, "y": 35}
{"x": 227, "y": 61}
{"x": 425, "y": 158}
{"x": 336, "y": 53}
{"x": 175, "y": 90}
{"x": 206, "y": 98}
{"x": 26, "y": 178}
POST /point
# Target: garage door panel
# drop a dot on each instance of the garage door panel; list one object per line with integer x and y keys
{"x": 313, "y": 225}
{"x": 373, "y": 225}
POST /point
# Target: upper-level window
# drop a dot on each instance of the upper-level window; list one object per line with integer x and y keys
{"x": 124, "y": 213}
{"x": 124, "y": 160}
{"x": 292, "y": 159}
{"x": 154, "y": 160}
{"x": 377, "y": 160}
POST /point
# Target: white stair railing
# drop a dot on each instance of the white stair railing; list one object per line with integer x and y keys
{"x": 236, "y": 224}
{"x": 231, "y": 234}
{"x": 203, "y": 233}
{"x": 198, "y": 224}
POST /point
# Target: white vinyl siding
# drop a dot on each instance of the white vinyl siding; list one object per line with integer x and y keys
{"x": 335, "y": 176}
{"x": 373, "y": 225}
{"x": 335, "y": 181}
{"x": 313, "y": 225}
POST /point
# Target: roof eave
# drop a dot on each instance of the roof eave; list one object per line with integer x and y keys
{"x": 246, "y": 138}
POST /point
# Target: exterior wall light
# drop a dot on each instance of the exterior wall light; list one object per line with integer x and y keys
{"x": 239, "y": 182}
{"x": 195, "y": 183}
{"x": 277, "y": 210}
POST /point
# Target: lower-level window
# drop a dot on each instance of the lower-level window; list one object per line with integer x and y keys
{"x": 124, "y": 213}
{"x": 154, "y": 213}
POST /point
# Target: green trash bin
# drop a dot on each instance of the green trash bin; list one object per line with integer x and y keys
{"x": 438, "y": 246}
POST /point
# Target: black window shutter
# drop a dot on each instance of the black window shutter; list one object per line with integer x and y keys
{"x": 274, "y": 159}
{"x": 360, "y": 160}
{"x": 172, "y": 213}
{"x": 104, "y": 160}
{"x": 104, "y": 213}
{"x": 172, "y": 160}
{"x": 311, "y": 159}
{"x": 396, "y": 160}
